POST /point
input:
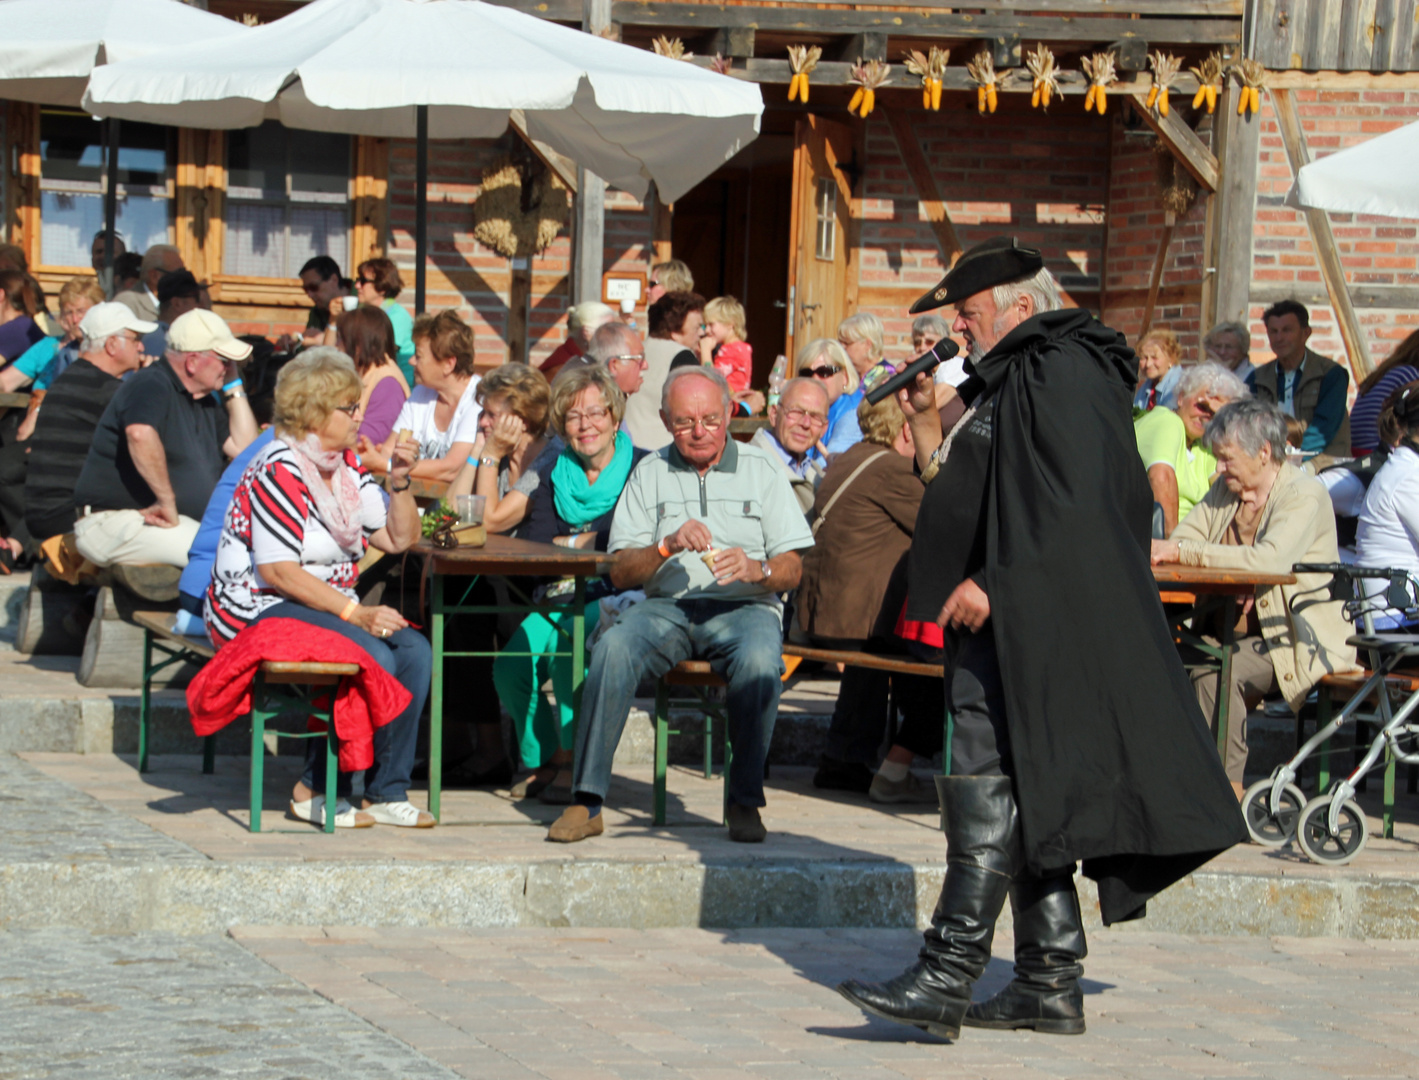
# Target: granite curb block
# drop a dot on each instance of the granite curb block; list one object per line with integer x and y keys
{"x": 121, "y": 896}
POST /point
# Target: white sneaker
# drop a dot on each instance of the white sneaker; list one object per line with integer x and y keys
{"x": 403, "y": 813}
{"x": 313, "y": 810}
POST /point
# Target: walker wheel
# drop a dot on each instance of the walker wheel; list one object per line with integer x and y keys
{"x": 1332, "y": 848}
{"x": 1269, "y": 826}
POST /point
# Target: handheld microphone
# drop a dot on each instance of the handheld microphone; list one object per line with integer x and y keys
{"x": 939, "y": 353}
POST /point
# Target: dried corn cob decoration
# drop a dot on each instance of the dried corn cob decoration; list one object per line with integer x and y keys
{"x": 1100, "y": 69}
{"x": 674, "y": 48}
{"x": 1165, "y": 69}
{"x": 1209, "y": 78}
{"x": 1252, "y": 74}
{"x": 930, "y": 69}
{"x": 1042, "y": 67}
{"x": 802, "y": 59}
{"x": 868, "y": 77}
{"x": 721, "y": 65}
{"x": 982, "y": 69}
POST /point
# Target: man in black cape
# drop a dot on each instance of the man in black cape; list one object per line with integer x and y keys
{"x": 1076, "y": 734}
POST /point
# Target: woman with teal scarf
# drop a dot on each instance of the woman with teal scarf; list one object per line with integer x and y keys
{"x": 572, "y": 506}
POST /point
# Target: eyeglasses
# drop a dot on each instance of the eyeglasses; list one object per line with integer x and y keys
{"x": 826, "y": 372}
{"x": 798, "y": 416}
{"x": 367, "y": 281}
{"x": 594, "y": 416}
{"x": 349, "y": 410}
{"x": 637, "y": 357}
{"x": 709, "y": 423}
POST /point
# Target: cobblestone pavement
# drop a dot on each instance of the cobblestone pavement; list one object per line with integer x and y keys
{"x": 759, "y": 1005}
{"x": 155, "y": 1006}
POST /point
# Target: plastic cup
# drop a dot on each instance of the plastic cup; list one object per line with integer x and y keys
{"x": 470, "y": 508}
{"x": 709, "y": 558}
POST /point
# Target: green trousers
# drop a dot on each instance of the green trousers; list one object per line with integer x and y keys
{"x": 540, "y": 730}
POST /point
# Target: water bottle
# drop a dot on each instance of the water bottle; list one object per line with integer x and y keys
{"x": 777, "y": 377}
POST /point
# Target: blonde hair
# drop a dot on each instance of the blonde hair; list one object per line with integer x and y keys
{"x": 674, "y": 275}
{"x": 524, "y": 389}
{"x": 1166, "y": 340}
{"x": 311, "y": 387}
{"x": 726, "y": 309}
{"x": 864, "y": 326}
{"x": 834, "y": 353}
{"x": 81, "y": 288}
{"x": 571, "y": 381}
{"x": 881, "y": 423}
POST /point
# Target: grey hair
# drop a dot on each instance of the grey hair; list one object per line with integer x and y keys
{"x": 804, "y": 380}
{"x": 931, "y": 323}
{"x": 704, "y": 373}
{"x": 611, "y": 339}
{"x": 864, "y": 326}
{"x": 1237, "y": 330}
{"x": 153, "y": 257}
{"x": 1212, "y": 379}
{"x": 1040, "y": 287}
{"x": 94, "y": 344}
{"x": 1249, "y": 424}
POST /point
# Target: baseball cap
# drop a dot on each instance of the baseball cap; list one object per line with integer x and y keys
{"x": 107, "y": 319}
{"x": 201, "y": 330}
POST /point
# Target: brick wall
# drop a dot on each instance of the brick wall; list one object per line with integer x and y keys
{"x": 1041, "y": 177}
{"x": 1374, "y": 251}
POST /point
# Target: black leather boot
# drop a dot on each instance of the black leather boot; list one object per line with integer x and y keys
{"x": 982, "y": 855}
{"x": 1049, "y": 945}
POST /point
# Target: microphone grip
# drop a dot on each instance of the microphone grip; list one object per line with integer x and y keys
{"x": 942, "y": 351}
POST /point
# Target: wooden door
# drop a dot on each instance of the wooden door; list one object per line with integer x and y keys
{"x": 821, "y": 222}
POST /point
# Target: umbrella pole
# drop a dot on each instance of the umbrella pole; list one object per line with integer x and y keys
{"x": 421, "y": 206}
{"x": 110, "y": 198}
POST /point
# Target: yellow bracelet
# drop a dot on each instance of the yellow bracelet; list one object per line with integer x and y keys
{"x": 350, "y": 609}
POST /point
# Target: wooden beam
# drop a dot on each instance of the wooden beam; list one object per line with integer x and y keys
{"x": 1323, "y": 239}
{"x": 1314, "y": 294}
{"x": 1342, "y": 80}
{"x": 570, "y": 10}
{"x": 565, "y": 168}
{"x": 735, "y": 42}
{"x": 916, "y": 21}
{"x": 1159, "y": 261}
{"x": 867, "y": 46}
{"x": 1190, "y": 151}
{"x": 519, "y": 299}
{"x": 920, "y": 172}
{"x": 1232, "y": 213}
{"x": 660, "y": 227}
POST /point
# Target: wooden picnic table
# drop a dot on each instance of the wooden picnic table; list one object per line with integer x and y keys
{"x": 14, "y": 401}
{"x": 503, "y": 557}
{"x": 1195, "y": 588}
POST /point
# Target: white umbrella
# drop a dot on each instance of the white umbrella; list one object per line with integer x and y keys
{"x": 48, "y": 48}
{"x": 1377, "y": 177}
{"x": 374, "y": 67}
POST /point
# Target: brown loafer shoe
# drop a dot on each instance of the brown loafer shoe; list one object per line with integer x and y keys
{"x": 576, "y": 823}
{"x": 745, "y": 825}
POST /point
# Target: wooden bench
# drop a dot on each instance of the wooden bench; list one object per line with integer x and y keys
{"x": 1327, "y": 690}
{"x": 698, "y": 676}
{"x": 279, "y": 686}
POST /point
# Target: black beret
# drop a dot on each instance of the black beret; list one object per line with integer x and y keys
{"x": 997, "y": 261}
{"x": 177, "y": 283}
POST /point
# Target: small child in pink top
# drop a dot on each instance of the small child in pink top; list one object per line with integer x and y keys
{"x": 723, "y": 346}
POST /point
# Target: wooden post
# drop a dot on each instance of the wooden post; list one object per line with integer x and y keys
{"x": 23, "y": 190}
{"x": 1323, "y": 240}
{"x": 661, "y": 227}
{"x": 589, "y": 228}
{"x": 519, "y": 300}
{"x": 201, "y": 183}
{"x": 368, "y": 236}
{"x": 1159, "y": 260}
{"x": 1231, "y": 214}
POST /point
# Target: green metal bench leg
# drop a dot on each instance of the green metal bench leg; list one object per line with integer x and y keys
{"x": 1391, "y": 766}
{"x": 145, "y": 710}
{"x": 728, "y": 760}
{"x": 1324, "y": 708}
{"x": 709, "y": 744}
{"x": 258, "y": 752}
{"x": 331, "y": 760}
{"x": 662, "y": 751}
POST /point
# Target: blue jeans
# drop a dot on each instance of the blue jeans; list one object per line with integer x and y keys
{"x": 407, "y": 656}
{"x": 743, "y": 642}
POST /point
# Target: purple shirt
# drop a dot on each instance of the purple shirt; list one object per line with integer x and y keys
{"x": 17, "y": 335}
{"x": 386, "y": 399}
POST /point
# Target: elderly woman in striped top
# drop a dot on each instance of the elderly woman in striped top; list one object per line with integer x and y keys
{"x": 303, "y": 514}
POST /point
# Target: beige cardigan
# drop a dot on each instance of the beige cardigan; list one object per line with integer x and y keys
{"x": 1297, "y": 525}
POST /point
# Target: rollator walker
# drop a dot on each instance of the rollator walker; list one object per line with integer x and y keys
{"x": 1331, "y": 828}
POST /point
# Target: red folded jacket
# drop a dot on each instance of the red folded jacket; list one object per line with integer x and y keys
{"x": 222, "y": 689}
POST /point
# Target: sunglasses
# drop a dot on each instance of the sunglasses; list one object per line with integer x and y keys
{"x": 349, "y": 410}
{"x": 826, "y": 372}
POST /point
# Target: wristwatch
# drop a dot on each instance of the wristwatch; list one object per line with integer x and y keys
{"x": 766, "y": 570}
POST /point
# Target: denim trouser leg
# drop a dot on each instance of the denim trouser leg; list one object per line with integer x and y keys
{"x": 407, "y": 656}
{"x": 646, "y": 641}
{"x": 744, "y": 644}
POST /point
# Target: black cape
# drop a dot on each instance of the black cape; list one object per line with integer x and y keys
{"x": 1114, "y": 764}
